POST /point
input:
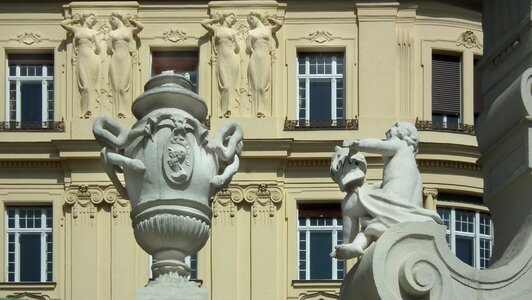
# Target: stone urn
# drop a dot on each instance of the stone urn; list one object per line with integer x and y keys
{"x": 171, "y": 169}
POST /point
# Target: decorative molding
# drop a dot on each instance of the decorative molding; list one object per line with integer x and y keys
{"x": 175, "y": 36}
{"x": 469, "y": 40}
{"x": 318, "y": 296}
{"x": 320, "y": 36}
{"x": 30, "y": 164}
{"x": 310, "y": 163}
{"x": 84, "y": 199}
{"x": 338, "y": 124}
{"x": 432, "y": 163}
{"x": 263, "y": 199}
{"x": 29, "y": 38}
{"x": 27, "y": 295}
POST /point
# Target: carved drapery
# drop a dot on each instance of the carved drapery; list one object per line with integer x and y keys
{"x": 26, "y": 295}
{"x": 85, "y": 199}
{"x": 29, "y": 38}
{"x": 175, "y": 35}
{"x": 469, "y": 40}
{"x": 318, "y": 296}
{"x": 264, "y": 199}
{"x": 320, "y": 36}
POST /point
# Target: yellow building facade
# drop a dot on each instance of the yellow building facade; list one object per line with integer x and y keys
{"x": 331, "y": 71}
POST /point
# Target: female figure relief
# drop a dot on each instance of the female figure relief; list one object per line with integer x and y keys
{"x": 258, "y": 42}
{"x": 228, "y": 59}
{"x": 87, "y": 50}
{"x": 118, "y": 46}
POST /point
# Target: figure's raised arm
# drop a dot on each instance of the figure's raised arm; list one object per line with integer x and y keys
{"x": 67, "y": 25}
{"x": 137, "y": 26}
{"x": 276, "y": 24}
{"x": 385, "y": 148}
{"x": 207, "y": 24}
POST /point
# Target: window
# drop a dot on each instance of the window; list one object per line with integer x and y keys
{"x": 181, "y": 62}
{"x": 469, "y": 235}
{"x": 319, "y": 230}
{"x": 30, "y": 90}
{"x": 446, "y": 91}
{"x": 320, "y": 92}
{"x": 29, "y": 244}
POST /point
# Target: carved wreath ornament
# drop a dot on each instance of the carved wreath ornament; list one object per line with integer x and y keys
{"x": 469, "y": 40}
{"x": 29, "y": 38}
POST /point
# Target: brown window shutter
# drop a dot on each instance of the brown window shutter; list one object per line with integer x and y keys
{"x": 446, "y": 84}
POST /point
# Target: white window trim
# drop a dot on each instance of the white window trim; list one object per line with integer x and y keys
{"x": 43, "y": 231}
{"x": 334, "y": 76}
{"x": 307, "y": 228}
{"x": 18, "y": 79}
{"x": 476, "y": 235}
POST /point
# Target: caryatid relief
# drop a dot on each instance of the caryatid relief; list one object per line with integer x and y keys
{"x": 258, "y": 46}
{"x": 119, "y": 47}
{"x": 87, "y": 50}
{"x": 227, "y": 52}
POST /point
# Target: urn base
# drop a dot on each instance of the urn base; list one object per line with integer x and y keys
{"x": 172, "y": 287}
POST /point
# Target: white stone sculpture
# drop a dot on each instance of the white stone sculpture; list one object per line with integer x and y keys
{"x": 171, "y": 171}
{"x": 258, "y": 46}
{"x": 397, "y": 199}
{"x": 119, "y": 47}
{"x": 87, "y": 50}
{"x": 227, "y": 52}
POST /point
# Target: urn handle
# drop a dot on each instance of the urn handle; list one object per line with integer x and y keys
{"x": 113, "y": 137}
{"x": 227, "y": 146}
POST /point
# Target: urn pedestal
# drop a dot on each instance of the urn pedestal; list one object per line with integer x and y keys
{"x": 171, "y": 170}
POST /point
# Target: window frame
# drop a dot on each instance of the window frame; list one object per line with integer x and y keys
{"x": 44, "y": 231}
{"x": 335, "y": 230}
{"x": 308, "y": 77}
{"x": 452, "y": 232}
{"x": 47, "y": 80}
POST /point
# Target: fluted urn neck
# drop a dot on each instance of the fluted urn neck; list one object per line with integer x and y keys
{"x": 169, "y": 90}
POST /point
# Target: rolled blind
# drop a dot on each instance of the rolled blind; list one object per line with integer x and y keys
{"x": 322, "y": 210}
{"x": 446, "y": 84}
{"x": 30, "y": 59}
{"x": 179, "y": 61}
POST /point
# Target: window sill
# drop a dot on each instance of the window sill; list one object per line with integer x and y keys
{"x": 339, "y": 124}
{"x": 317, "y": 283}
{"x": 25, "y": 286}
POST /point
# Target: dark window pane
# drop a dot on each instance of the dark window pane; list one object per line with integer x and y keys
{"x": 464, "y": 249}
{"x": 30, "y": 257}
{"x": 320, "y": 261}
{"x": 181, "y": 62}
{"x": 320, "y": 99}
{"x": 31, "y": 95}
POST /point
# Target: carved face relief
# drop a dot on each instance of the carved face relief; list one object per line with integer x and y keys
{"x": 178, "y": 158}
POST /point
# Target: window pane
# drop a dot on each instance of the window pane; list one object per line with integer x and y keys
{"x": 30, "y": 257}
{"x": 320, "y": 99}
{"x": 320, "y": 247}
{"x": 181, "y": 62}
{"x": 31, "y": 96}
{"x": 464, "y": 249}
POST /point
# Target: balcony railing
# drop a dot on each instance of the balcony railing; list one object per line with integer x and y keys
{"x": 55, "y": 126}
{"x": 338, "y": 124}
{"x": 445, "y": 126}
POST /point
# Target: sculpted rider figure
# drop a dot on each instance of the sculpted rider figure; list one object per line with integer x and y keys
{"x": 397, "y": 199}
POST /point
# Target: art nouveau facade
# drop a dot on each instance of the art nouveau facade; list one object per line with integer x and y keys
{"x": 297, "y": 79}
